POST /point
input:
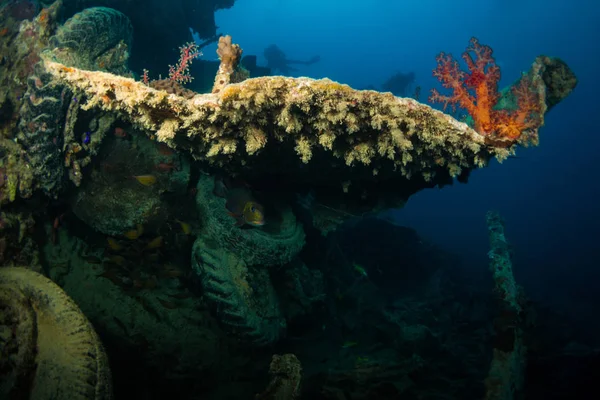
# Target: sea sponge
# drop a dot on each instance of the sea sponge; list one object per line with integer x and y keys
{"x": 230, "y": 55}
{"x": 286, "y": 376}
{"x": 49, "y": 349}
{"x": 95, "y": 38}
{"x": 173, "y": 87}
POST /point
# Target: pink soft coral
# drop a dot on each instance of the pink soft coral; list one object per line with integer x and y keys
{"x": 477, "y": 92}
{"x": 180, "y": 72}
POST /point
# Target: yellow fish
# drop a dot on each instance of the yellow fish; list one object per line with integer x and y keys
{"x": 185, "y": 227}
{"x": 134, "y": 233}
{"x": 240, "y": 202}
{"x": 146, "y": 180}
{"x": 113, "y": 244}
{"x": 155, "y": 243}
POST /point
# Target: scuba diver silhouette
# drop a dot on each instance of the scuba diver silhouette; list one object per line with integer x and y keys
{"x": 278, "y": 61}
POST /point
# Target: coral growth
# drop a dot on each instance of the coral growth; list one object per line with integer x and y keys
{"x": 371, "y": 144}
{"x": 16, "y": 177}
{"x": 22, "y": 37}
{"x": 159, "y": 323}
{"x": 180, "y": 72}
{"x": 17, "y": 246}
{"x": 112, "y": 201}
{"x": 52, "y": 350}
{"x": 477, "y": 92}
{"x": 230, "y": 55}
{"x": 286, "y": 376}
{"x": 97, "y": 38}
{"x": 316, "y": 117}
{"x": 368, "y": 142}
{"x": 153, "y": 41}
{"x": 505, "y": 377}
{"x": 43, "y": 140}
{"x": 230, "y": 263}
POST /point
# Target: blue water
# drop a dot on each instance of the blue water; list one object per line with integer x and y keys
{"x": 549, "y": 194}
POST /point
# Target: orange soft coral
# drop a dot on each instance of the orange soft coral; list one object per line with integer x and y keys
{"x": 477, "y": 92}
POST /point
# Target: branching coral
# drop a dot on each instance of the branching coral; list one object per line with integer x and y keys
{"x": 181, "y": 71}
{"x": 477, "y": 92}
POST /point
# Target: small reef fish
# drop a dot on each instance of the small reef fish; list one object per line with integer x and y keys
{"x": 170, "y": 271}
{"x": 239, "y": 202}
{"x": 360, "y": 269}
{"x": 349, "y": 344}
{"x": 113, "y": 244}
{"x": 120, "y": 132}
{"x": 146, "y": 180}
{"x": 92, "y": 259}
{"x": 134, "y": 233}
{"x": 185, "y": 227}
{"x": 155, "y": 243}
{"x": 165, "y": 167}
